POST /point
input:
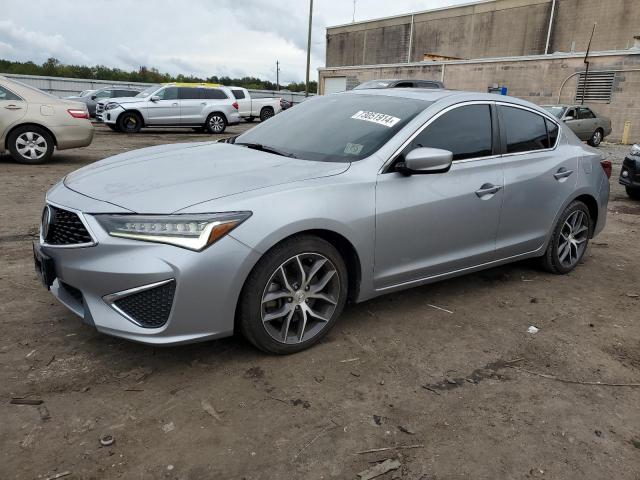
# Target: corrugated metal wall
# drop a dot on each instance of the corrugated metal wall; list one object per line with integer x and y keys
{"x": 66, "y": 87}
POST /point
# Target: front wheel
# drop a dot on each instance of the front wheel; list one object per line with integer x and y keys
{"x": 633, "y": 193}
{"x": 30, "y": 144}
{"x": 596, "y": 138}
{"x": 294, "y": 295}
{"x": 129, "y": 122}
{"x": 569, "y": 239}
{"x": 216, "y": 123}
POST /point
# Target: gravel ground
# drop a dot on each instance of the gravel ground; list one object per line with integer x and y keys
{"x": 467, "y": 387}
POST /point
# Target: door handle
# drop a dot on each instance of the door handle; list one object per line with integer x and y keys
{"x": 562, "y": 174}
{"x": 174, "y": 104}
{"x": 13, "y": 107}
{"x": 488, "y": 189}
{"x": 203, "y": 103}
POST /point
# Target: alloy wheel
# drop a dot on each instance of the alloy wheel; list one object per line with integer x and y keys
{"x": 216, "y": 124}
{"x": 130, "y": 122}
{"x": 31, "y": 145}
{"x": 300, "y": 298}
{"x": 573, "y": 238}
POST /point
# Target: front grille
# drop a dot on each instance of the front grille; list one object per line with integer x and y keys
{"x": 65, "y": 228}
{"x": 629, "y": 163}
{"x": 99, "y": 107}
{"x": 149, "y": 308}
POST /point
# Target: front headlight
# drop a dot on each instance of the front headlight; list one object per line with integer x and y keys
{"x": 111, "y": 105}
{"x": 194, "y": 232}
{"x": 635, "y": 150}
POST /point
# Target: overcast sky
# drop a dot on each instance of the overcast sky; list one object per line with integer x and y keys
{"x": 199, "y": 37}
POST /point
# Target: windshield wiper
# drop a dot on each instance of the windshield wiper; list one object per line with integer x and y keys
{"x": 265, "y": 148}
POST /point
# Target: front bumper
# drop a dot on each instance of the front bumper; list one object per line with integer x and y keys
{"x": 630, "y": 172}
{"x": 110, "y": 117}
{"x": 207, "y": 284}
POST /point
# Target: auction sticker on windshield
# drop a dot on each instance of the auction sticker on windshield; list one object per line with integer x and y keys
{"x": 379, "y": 118}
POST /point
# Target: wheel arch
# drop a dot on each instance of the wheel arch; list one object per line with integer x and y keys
{"x": 26, "y": 124}
{"x": 592, "y": 205}
{"x": 219, "y": 112}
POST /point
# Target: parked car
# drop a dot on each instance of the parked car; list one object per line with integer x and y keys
{"x": 252, "y": 108}
{"x": 91, "y": 97}
{"x": 284, "y": 104}
{"x": 346, "y": 196}
{"x": 207, "y": 107}
{"x": 410, "y": 83}
{"x": 584, "y": 122}
{"x": 34, "y": 123}
{"x": 630, "y": 173}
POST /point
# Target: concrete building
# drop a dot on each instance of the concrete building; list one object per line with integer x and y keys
{"x": 534, "y": 48}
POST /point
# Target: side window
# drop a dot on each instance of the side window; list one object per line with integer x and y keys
{"x": 169, "y": 93}
{"x": 552, "y": 132}
{"x": 239, "y": 94}
{"x": 187, "y": 93}
{"x": 426, "y": 85}
{"x": 404, "y": 85}
{"x": 525, "y": 131}
{"x": 464, "y": 131}
{"x": 214, "y": 94}
{"x": 584, "y": 112}
{"x": 104, "y": 94}
{"x": 571, "y": 113}
{"x": 7, "y": 95}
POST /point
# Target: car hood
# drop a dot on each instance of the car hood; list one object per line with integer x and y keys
{"x": 168, "y": 178}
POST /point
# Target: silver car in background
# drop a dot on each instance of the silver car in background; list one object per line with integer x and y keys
{"x": 345, "y": 197}
{"x": 583, "y": 121}
{"x": 198, "y": 106}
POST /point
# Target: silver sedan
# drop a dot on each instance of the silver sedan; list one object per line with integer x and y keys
{"x": 343, "y": 198}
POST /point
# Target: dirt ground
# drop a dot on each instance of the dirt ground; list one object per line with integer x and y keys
{"x": 459, "y": 391}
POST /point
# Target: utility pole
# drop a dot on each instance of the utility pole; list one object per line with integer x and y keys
{"x": 277, "y": 75}
{"x": 354, "y": 12}
{"x": 586, "y": 61}
{"x": 306, "y": 88}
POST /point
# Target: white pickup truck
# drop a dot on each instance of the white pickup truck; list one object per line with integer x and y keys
{"x": 251, "y": 108}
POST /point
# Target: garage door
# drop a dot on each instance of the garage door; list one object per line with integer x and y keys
{"x": 335, "y": 84}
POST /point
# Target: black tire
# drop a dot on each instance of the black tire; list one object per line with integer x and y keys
{"x": 249, "y": 119}
{"x": 596, "y": 138}
{"x": 633, "y": 193}
{"x": 30, "y": 144}
{"x": 266, "y": 113}
{"x": 552, "y": 261}
{"x": 250, "y": 305}
{"x": 113, "y": 127}
{"x": 129, "y": 122}
{"x": 216, "y": 123}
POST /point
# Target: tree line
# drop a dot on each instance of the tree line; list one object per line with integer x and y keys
{"x": 54, "y": 68}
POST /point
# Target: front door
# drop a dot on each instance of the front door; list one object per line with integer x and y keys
{"x": 433, "y": 224}
{"x": 165, "y": 109}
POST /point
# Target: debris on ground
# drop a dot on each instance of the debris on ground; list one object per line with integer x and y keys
{"x": 380, "y": 469}
{"x": 377, "y": 419}
{"x": 168, "y": 427}
{"x": 633, "y": 295}
{"x": 349, "y": 360}
{"x": 26, "y": 401}
{"x": 439, "y": 308}
{"x": 407, "y": 430}
{"x": 58, "y": 475}
{"x": 107, "y": 440}
{"x": 384, "y": 449}
{"x": 44, "y": 413}
{"x": 207, "y": 407}
{"x": 533, "y": 330}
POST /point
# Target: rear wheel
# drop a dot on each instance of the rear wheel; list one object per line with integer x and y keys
{"x": 569, "y": 240}
{"x": 216, "y": 123}
{"x": 633, "y": 193}
{"x": 30, "y": 144}
{"x": 596, "y": 138}
{"x": 266, "y": 113}
{"x": 129, "y": 122}
{"x": 293, "y": 296}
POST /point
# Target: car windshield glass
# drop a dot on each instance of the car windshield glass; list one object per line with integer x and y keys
{"x": 335, "y": 128}
{"x": 148, "y": 91}
{"x": 555, "y": 110}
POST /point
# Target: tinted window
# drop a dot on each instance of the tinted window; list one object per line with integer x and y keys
{"x": 214, "y": 94}
{"x": 169, "y": 93}
{"x": 404, "y": 85}
{"x": 571, "y": 113}
{"x": 584, "y": 112}
{"x": 552, "y": 130}
{"x": 427, "y": 85}
{"x": 186, "y": 93}
{"x": 7, "y": 95}
{"x": 239, "y": 94}
{"x": 464, "y": 131}
{"x": 104, "y": 94}
{"x": 358, "y": 125}
{"x": 525, "y": 131}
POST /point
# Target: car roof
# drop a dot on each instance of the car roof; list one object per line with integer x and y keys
{"x": 192, "y": 85}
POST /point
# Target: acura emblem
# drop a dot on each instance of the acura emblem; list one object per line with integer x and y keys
{"x": 46, "y": 221}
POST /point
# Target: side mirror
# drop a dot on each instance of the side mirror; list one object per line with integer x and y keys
{"x": 155, "y": 98}
{"x": 425, "y": 160}
{"x": 93, "y": 97}
{"x": 568, "y": 118}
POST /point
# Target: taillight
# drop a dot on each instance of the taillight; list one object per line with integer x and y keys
{"x": 76, "y": 113}
{"x": 235, "y": 105}
{"x": 607, "y": 167}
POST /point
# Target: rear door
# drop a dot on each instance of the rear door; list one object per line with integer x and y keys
{"x": 12, "y": 109}
{"x": 192, "y": 104}
{"x": 166, "y": 109}
{"x": 539, "y": 177}
{"x": 430, "y": 225}
{"x": 574, "y": 123}
{"x": 244, "y": 101}
{"x": 588, "y": 120}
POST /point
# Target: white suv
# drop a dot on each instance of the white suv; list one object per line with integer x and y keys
{"x": 209, "y": 107}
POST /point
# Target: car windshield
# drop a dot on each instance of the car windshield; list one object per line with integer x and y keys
{"x": 148, "y": 91}
{"x": 373, "y": 84}
{"x": 335, "y": 128}
{"x": 555, "y": 110}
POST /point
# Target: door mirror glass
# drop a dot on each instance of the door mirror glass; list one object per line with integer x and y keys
{"x": 425, "y": 160}
{"x": 154, "y": 98}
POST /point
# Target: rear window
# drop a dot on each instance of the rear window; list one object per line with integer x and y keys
{"x": 239, "y": 94}
{"x": 526, "y": 131}
{"x": 214, "y": 94}
{"x": 7, "y": 95}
